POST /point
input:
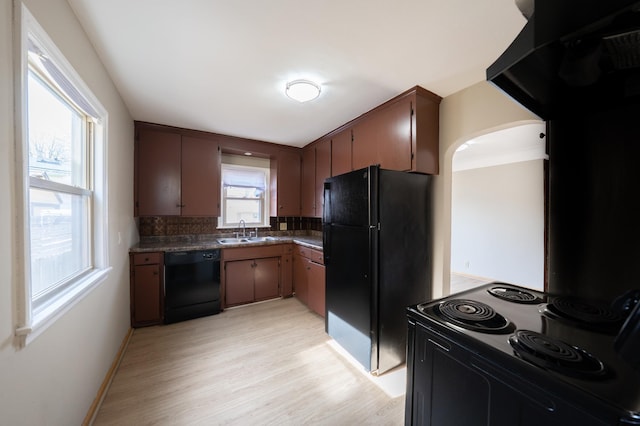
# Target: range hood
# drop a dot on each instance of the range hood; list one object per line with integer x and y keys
{"x": 572, "y": 55}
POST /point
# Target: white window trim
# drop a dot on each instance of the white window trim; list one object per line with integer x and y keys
{"x": 240, "y": 161}
{"x": 29, "y": 326}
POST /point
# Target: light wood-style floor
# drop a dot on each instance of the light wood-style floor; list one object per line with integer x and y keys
{"x": 461, "y": 282}
{"x": 265, "y": 364}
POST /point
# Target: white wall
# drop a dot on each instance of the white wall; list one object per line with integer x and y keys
{"x": 54, "y": 380}
{"x": 497, "y": 223}
{"x": 467, "y": 114}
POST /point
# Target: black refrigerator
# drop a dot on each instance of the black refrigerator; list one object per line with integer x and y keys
{"x": 377, "y": 254}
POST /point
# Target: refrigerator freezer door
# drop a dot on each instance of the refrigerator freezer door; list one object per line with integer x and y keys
{"x": 346, "y": 199}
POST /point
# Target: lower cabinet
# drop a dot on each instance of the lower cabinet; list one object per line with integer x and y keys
{"x": 316, "y": 286}
{"x": 252, "y": 280}
{"x": 286, "y": 271}
{"x": 146, "y": 287}
{"x": 309, "y": 278}
{"x": 252, "y": 274}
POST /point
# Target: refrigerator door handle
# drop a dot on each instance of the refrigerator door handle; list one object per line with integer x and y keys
{"x": 326, "y": 223}
{"x": 326, "y": 238}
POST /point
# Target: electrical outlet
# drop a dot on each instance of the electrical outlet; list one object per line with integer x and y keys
{"x": 466, "y": 264}
{"x": 283, "y": 226}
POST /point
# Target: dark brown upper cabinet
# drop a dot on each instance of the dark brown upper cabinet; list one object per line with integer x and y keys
{"x": 176, "y": 175}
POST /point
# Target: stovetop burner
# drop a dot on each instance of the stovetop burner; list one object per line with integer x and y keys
{"x": 473, "y": 315}
{"x": 552, "y": 354}
{"x": 515, "y": 295}
{"x": 584, "y": 313}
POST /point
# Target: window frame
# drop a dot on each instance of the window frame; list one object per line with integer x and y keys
{"x": 238, "y": 162}
{"x": 29, "y": 322}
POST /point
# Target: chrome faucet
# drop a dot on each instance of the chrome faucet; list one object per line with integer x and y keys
{"x": 243, "y": 224}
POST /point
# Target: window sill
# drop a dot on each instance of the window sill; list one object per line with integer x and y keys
{"x": 58, "y": 307}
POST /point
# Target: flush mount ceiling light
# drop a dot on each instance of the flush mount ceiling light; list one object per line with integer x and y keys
{"x": 302, "y": 90}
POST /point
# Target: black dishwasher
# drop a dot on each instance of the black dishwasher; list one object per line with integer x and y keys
{"x": 191, "y": 284}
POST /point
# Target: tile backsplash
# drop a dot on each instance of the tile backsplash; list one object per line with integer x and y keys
{"x": 149, "y": 226}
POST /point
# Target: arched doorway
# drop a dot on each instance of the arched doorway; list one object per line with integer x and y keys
{"x": 497, "y": 208}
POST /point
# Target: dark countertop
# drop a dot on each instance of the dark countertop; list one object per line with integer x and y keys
{"x": 208, "y": 243}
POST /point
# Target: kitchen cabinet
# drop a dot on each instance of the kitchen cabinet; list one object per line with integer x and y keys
{"x": 146, "y": 284}
{"x": 251, "y": 280}
{"x": 316, "y": 167}
{"x": 251, "y": 274}
{"x": 323, "y": 171}
{"x": 341, "y": 152}
{"x": 201, "y": 174}
{"x": 286, "y": 270}
{"x": 285, "y": 183}
{"x": 157, "y": 173}
{"x": 401, "y": 134}
{"x": 176, "y": 175}
{"x": 308, "y": 183}
{"x": 316, "y": 287}
{"x": 309, "y": 278}
{"x": 300, "y": 280}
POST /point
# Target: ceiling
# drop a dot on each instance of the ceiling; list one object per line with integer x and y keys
{"x": 222, "y": 65}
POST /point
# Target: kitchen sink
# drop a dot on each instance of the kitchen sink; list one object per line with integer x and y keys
{"x": 259, "y": 239}
{"x": 244, "y": 240}
{"x": 233, "y": 240}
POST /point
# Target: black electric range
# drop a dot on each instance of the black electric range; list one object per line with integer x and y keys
{"x": 501, "y": 354}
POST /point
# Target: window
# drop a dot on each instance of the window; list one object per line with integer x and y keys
{"x": 61, "y": 142}
{"x": 244, "y": 191}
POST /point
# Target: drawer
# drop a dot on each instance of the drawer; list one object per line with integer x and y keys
{"x": 252, "y": 252}
{"x": 311, "y": 254}
{"x": 147, "y": 258}
{"x": 287, "y": 249}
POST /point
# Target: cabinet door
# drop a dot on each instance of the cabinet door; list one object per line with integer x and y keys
{"x": 266, "y": 278}
{"x": 323, "y": 171}
{"x": 316, "y": 287}
{"x": 287, "y": 184}
{"x": 146, "y": 295}
{"x": 158, "y": 173}
{"x": 393, "y": 132}
{"x": 384, "y": 137}
{"x": 286, "y": 274}
{"x": 364, "y": 146}
{"x": 341, "y": 153}
{"x": 300, "y": 278}
{"x": 239, "y": 282}
{"x": 308, "y": 181}
{"x": 200, "y": 177}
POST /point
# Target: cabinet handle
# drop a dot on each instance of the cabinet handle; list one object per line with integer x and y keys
{"x": 180, "y": 205}
{"x": 155, "y": 272}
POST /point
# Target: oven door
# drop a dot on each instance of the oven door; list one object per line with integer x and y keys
{"x": 450, "y": 384}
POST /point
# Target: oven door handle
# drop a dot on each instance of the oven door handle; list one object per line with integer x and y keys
{"x": 440, "y": 345}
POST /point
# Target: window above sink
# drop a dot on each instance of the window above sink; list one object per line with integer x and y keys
{"x": 245, "y": 191}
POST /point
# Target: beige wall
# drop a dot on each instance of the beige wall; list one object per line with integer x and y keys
{"x": 472, "y": 112}
{"x": 54, "y": 380}
{"x": 498, "y": 223}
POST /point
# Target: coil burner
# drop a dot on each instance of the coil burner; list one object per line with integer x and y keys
{"x": 585, "y": 314}
{"x": 556, "y": 355}
{"x": 473, "y": 315}
{"x": 515, "y": 295}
